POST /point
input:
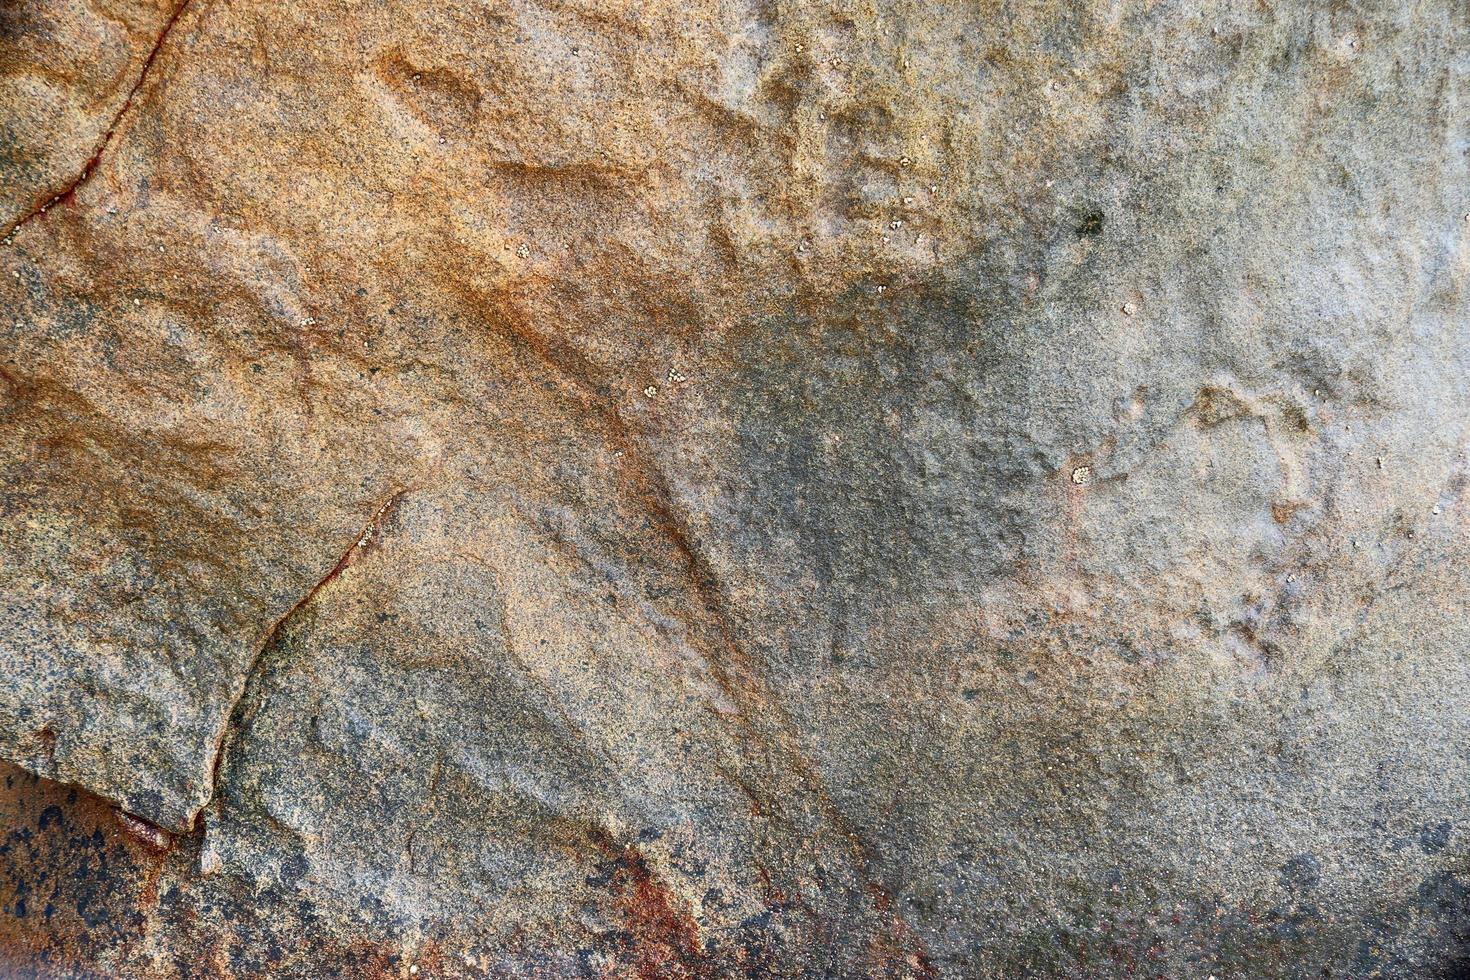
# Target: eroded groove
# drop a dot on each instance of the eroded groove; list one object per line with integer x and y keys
{"x": 69, "y": 190}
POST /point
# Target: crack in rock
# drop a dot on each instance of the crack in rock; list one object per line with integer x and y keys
{"x": 69, "y": 191}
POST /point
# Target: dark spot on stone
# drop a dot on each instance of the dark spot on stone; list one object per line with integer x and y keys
{"x": 293, "y": 869}
{"x": 1301, "y": 872}
{"x": 1434, "y": 837}
{"x": 1090, "y": 224}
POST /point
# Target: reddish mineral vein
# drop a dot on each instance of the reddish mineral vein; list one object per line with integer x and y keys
{"x": 70, "y": 189}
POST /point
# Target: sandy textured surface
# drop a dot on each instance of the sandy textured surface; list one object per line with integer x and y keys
{"x": 721, "y": 488}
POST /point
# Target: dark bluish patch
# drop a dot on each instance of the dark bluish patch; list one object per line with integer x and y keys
{"x": 1434, "y": 837}
{"x": 1301, "y": 873}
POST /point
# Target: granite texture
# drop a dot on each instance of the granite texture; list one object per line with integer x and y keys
{"x": 734, "y": 488}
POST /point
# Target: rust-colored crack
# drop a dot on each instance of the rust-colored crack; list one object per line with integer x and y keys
{"x": 69, "y": 191}
{"x": 360, "y": 543}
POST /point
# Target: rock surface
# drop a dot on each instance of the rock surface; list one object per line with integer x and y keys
{"x": 723, "y": 488}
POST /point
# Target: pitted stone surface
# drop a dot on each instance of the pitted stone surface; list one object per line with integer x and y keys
{"x": 734, "y": 489}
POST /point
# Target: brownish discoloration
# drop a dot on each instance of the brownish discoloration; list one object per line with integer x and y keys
{"x": 665, "y": 939}
{"x": 149, "y": 834}
{"x": 76, "y": 887}
{"x": 897, "y": 952}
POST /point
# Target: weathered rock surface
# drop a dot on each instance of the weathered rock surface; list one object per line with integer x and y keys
{"x": 539, "y": 488}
